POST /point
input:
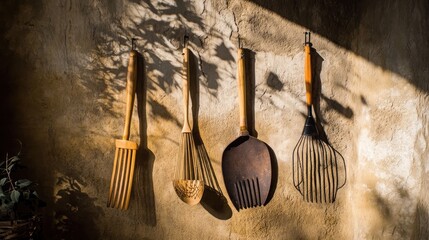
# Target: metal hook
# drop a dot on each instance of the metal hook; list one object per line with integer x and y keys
{"x": 133, "y": 45}
{"x": 185, "y": 40}
{"x": 307, "y": 38}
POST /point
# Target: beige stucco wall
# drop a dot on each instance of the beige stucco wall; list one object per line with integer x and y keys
{"x": 63, "y": 93}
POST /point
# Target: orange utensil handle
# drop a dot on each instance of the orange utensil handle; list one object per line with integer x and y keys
{"x": 241, "y": 77}
{"x": 131, "y": 90}
{"x": 307, "y": 74}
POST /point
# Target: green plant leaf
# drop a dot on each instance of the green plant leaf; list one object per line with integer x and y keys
{"x": 14, "y": 159}
{"x": 11, "y": 166}
{"x": 2, "y": 163}
{"x": 22, "y": 183}
{"x": 14, "y": 196}
{"x": 35, "y": 194}
{"x": 3, "y": 181}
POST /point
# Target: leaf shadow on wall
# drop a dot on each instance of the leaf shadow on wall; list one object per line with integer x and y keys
{"x": 159, "y": 41}
{"x": 213, "y": 199}
{"x": 386, "y": 214}
{"x": 421, "y": 222}
{"x": 143, "y": 197}
{"x": 75, "y": 212}
{"x": 332, "y": 104}
{"x": 368, "y": 29}
{"x": 156, "y": 38}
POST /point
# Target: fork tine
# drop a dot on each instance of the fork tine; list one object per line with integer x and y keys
{"x": 126, "y": 178}
{"x": 117, "y": 179}
{"x": 133, "y": 162}
{"x": 112, "y": 179}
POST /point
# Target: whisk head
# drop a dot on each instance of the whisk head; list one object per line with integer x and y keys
{"x": 188, "y": 182}
{"x": 315, "y": 169}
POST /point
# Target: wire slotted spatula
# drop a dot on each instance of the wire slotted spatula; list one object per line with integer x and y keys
{"x": 125, "y": 155}
{"x": 314, "y": 161}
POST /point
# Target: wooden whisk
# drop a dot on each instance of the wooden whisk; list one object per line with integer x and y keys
{"x": 188, "y": 182}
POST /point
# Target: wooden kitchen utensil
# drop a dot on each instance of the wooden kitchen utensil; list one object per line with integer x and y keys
{"x": 246, "y": 163}
{"x": 123, "y": 166}
{"x": 188, "y": 182}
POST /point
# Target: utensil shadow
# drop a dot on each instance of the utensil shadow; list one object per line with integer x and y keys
{"x": 143, "y": 191}
{"x": 317, "y": 63}
{"x": 250, "y": 109}
{"x": 213, "y": 200}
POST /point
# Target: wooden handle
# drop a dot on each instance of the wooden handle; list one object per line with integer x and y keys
{"x": 307, "y": 75}
{"x": 242, "y": 91}
{"x": 131, "y": 90}
{"x": 185, "y": 88}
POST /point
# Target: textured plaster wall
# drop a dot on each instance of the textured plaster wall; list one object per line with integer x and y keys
{"x": 63, "y": 70}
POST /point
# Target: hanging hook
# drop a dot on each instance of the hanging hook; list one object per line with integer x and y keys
{"x": 185, "y": 40}
{"x": 307, "y": 38}
{"x": 133, "y": 44}
{"x": 240, "y": 45}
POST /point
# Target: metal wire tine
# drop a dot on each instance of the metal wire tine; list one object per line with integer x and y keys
{"x": 331, "y": 173}
{"x": 297, "y": 166}
{"x": 318, "y": 168}
{"x": 330, "y": 157}
{"x": 337, "y": 154}
{"x": 312, "y": 170}
{"x": 322, "y": 173}
{"x": 307, "y": 167}
{"x": 334, "y": 159}
{"x": 325, "y": 175}
{"x": 315, "y": 148}
{"x": 309, "y": 173}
